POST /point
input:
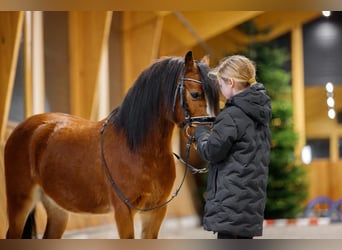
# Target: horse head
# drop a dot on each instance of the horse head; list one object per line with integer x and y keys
{"x": 196, "y": 96}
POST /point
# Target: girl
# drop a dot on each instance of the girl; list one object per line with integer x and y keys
{"x": 238, "y": 151}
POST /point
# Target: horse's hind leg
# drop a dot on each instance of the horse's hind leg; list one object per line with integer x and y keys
{"x": 151, "y": 222}
{"x": 20, "y": 202}
{"x": 57, "y": 219}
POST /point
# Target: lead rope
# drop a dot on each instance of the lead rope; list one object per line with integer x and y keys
{"x": 193, "y": 169}
{"x": 117, "y": 189}
{"x": 187, "y": 156}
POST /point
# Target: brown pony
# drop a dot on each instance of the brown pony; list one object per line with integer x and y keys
{"x": 123, "y": 163}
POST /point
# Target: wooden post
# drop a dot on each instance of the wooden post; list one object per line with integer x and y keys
{"x": 157, "y": 36}
{"x": 34, "y": 63}
{"x": 28, "y": 64}
{"x": 137, "y": 45}
{"x": 100, "y": 107}
{"x": 37, "y": 60}
{"x": 87, "y": 32}
{"x": 298, "y": 87}
{"x": 10, "y": 33}
{"x": 127, "y": 52}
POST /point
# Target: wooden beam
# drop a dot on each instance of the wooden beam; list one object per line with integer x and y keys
{"x": 116, "y": 67}
{"x": 103, "y": 86}
{"x": 156, "y": 37}
{"x": 221, "y": 45}
{"x": 137, "y": 45}
{"x": 28, "y": 103}
{"x": 177, "y": 37}
{"x": 211, "y": 23}
{"x": 141, "y": 30}
{"x": 10, "y": 33}
{"x": 34, "y": 66}
{"x": 86, "y": 32}
{"x": 128, "y": 71}
{"x": 282, "y": 22}
{"x": 56, "y": 60}
{"x": 233, "y": 40}
{"x": 297, "y": 65}
{"x": 38, "y": 72}
{"x": 100, "y": 107}
{"x": 277, "y": 22}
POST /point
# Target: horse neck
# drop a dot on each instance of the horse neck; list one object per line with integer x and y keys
{"x": 161, "y": 133}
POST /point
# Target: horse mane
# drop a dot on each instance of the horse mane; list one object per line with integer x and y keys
{"x": 152, "y": 91}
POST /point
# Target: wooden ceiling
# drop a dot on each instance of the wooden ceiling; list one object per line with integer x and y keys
{"x": 214, "y": 30}
{"x": 149, "y": 35}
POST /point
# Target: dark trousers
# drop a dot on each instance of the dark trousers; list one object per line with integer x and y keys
{"x": 229, "y": 236}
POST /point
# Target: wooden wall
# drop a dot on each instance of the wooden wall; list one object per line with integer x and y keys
{"x": 325, "y": 174}
{"x": 325, "y": 179}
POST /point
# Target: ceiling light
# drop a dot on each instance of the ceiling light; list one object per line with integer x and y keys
{"x": 329, "y": 87}
{"x": 326, "y": 13}
{"x": 331, "y": 114}
{"x": 330, "y": 102}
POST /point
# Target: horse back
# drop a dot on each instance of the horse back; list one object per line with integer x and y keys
{"x": 31, "y": 137}
{"x": 60, "y": 153}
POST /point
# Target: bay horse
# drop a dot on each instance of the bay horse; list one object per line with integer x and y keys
{"x": 123, "y": 163}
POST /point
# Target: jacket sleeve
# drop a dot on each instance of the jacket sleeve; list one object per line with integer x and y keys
{"x": 214, "y": 146}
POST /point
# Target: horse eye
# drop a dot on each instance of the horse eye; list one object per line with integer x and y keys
{"x": 195, "y": 95}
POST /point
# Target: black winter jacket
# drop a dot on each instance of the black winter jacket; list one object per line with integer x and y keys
{"x": 238, "y": 152}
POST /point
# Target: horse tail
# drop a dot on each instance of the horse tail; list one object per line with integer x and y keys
{"x": 30, "y": 228}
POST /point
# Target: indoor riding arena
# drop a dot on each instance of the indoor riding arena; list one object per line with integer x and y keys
{"x": 83, "y": 66}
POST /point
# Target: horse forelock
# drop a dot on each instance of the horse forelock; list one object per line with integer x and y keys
{"x": 210, "y": 87}
{"x": 152, "y": 91}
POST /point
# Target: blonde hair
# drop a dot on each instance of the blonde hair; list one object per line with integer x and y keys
{"x": 237, "y": 67}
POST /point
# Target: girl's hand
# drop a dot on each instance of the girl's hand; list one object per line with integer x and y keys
{"x": 194, "y": 144}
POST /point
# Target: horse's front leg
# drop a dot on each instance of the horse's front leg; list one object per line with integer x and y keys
{"x": 124, "y": 217}
{"x": 151, "y": 222}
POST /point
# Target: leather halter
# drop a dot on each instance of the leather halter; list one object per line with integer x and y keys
{"x": 188, "y": 120}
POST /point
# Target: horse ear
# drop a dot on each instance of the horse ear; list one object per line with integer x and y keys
{"x": 206, "y": 60}
{"x": 189, "y": 61}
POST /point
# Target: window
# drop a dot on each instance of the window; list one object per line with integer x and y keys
{"x": 320, "y": 148}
